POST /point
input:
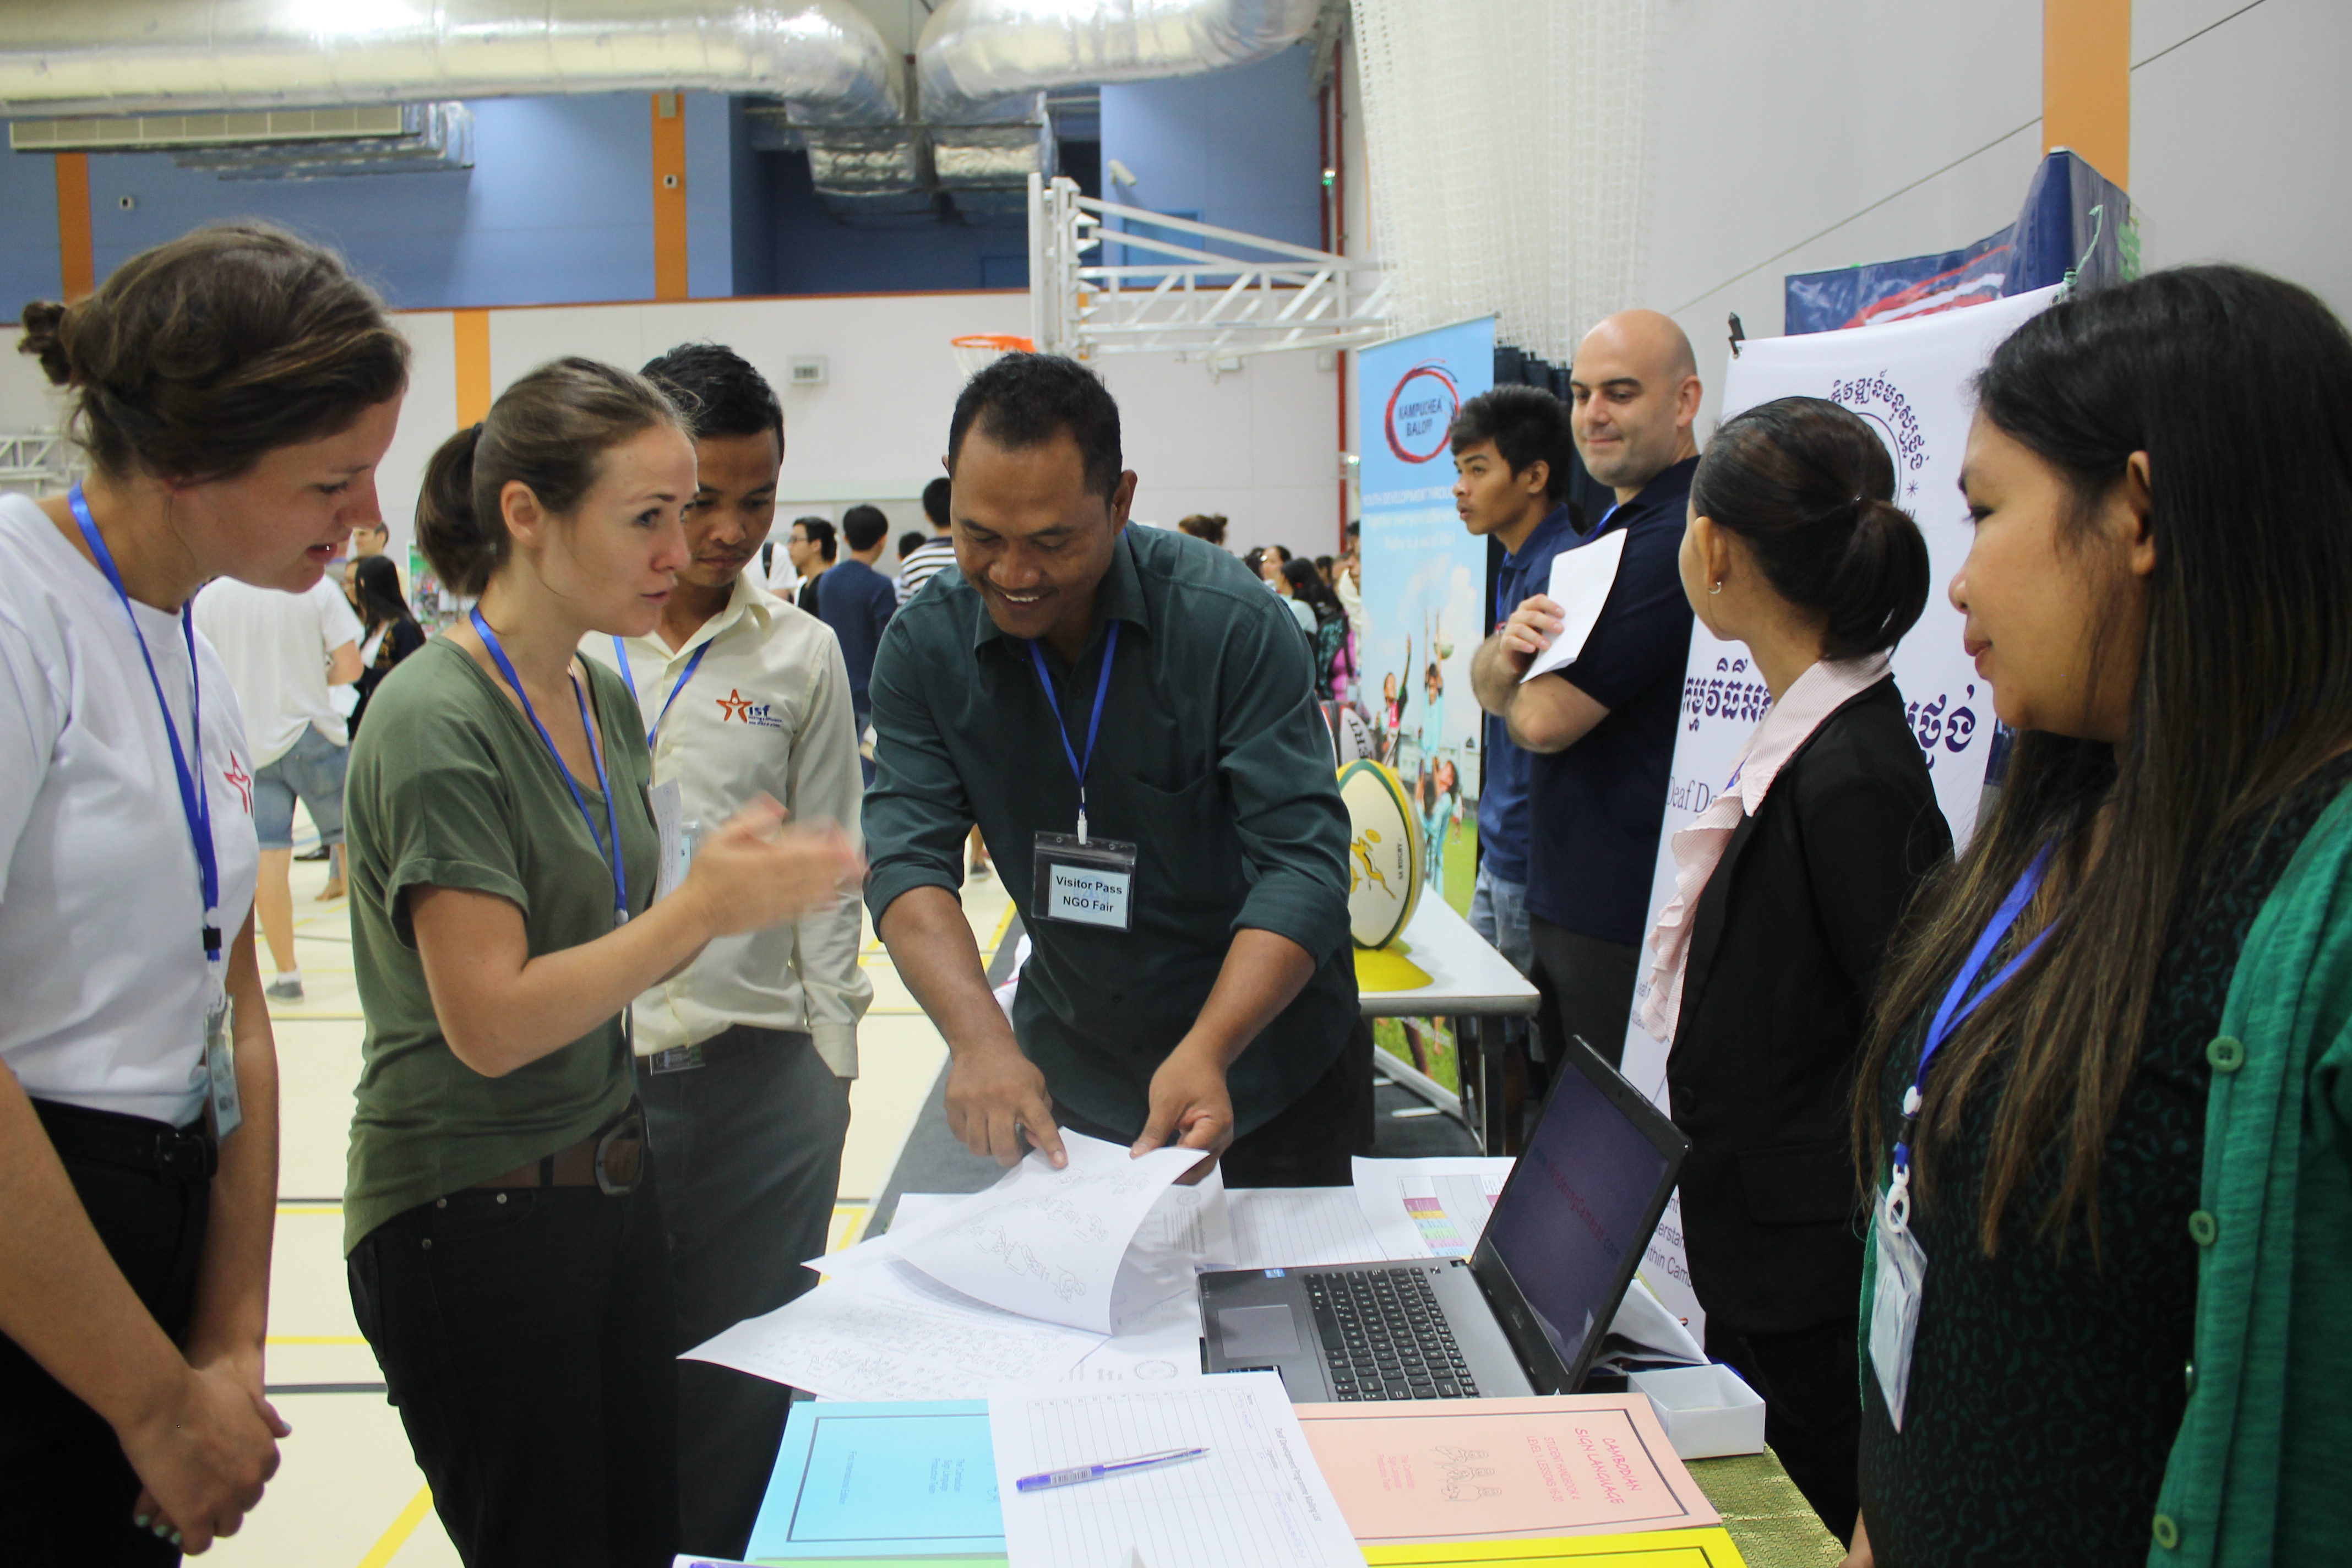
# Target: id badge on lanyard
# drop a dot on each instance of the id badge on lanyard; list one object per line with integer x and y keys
{"x": 1085, "y": 881}
{"x": 223, "y": 1111}
{"x": 1902, "y": 1281}
{"x": 1081, "y": 880}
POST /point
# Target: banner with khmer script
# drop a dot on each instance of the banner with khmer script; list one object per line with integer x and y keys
{"x": 1911, "y": 381}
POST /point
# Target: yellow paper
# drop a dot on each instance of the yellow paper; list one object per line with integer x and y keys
{"x": 1388, "y": 969}
{"x": 1652, "y": 1548}
{"x": 1493, "y": 1469}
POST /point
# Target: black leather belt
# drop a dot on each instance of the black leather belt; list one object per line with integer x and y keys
{"x": 184, "y": 1154}
{"x": 612, "y": 1159}
{"x": 730, "y": 1042}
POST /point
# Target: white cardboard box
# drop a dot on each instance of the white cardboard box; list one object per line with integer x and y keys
{"x": 1708, "y": 1411}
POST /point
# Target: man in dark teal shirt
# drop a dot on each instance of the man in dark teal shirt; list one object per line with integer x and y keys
{"x": 1207, "y": 996}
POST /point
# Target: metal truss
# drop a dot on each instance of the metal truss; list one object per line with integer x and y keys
{"x": 1177, "y": 291}
{"x": 36, "y": 462}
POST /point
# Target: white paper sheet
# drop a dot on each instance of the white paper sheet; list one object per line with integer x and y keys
{"x": 1187, "y": 1229}
{"x": 1050, "y": 1244}
{"x": 889, "y": 1332}
{"x": 1298, "y": 1227}
{"x": 1580, "y": 579}
{"x": 1256, "y": 1499}
{"x": 1644, "y": 1322}
{"x": 1160, "y": 1344}
{"x": 1429, "y": 1208}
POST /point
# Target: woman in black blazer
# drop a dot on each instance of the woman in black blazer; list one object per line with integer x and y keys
{"x": 1790, "y": 886}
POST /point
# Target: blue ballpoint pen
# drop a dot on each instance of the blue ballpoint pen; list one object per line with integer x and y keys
{"x": 1078, "y": 1473}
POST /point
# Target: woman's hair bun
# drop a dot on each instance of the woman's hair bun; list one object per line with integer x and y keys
{"x": 1808, "y": 485}
{"x": 463, "y": 551}
{"x": 45, "y": 326}
{"x": 1879, "y": 585}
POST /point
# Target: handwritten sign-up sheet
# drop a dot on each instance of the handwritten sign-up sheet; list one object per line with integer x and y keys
{"x": 895, "y": 1333}
{"x": 1255, "y": 1499}
{"x": 1050, "y": 1245}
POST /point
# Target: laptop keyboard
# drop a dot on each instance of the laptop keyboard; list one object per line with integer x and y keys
{"x": 1384, "y": 1338}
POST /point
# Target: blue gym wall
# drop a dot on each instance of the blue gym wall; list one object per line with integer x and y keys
{"x": 557, "y": 208}
{"x": 1234, "y": 148}
{"x": 28, "y": 239}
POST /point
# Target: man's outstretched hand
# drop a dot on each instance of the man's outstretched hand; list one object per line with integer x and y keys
{"x": 1191, "y": 1106}
{"x": 994, "y": 1096}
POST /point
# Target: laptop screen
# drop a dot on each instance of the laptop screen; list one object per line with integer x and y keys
{"x": 1584, "y": 1196}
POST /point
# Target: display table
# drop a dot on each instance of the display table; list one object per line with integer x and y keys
{"x": 1765, "y": 1514}
{"x": 1468, "y": 979}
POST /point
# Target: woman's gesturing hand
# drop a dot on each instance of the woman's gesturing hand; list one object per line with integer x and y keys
{"x": 757, "y": 871}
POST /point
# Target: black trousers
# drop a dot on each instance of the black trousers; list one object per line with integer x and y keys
{"x": 1587, "y": 988}
{"x": 526, "y": 1336}
{"x": 749, "y": 1150}
{"x": 1812, "y": 1409}
{"x": 66, "y": 1490}
{"x": 1309, "y": 1143}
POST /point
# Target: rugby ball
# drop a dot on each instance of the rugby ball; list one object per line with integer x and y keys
{"x": 1383, "y": 853}
{"x": 1351, "y": 737}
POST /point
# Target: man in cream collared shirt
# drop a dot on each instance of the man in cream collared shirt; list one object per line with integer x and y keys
{"x": 745, "y": 1058}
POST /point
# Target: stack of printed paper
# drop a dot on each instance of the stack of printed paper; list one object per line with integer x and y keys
{"x": 1017, "y": 1284}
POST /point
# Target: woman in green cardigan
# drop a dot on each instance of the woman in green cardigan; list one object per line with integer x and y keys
{"x": 2105, "y": 1100}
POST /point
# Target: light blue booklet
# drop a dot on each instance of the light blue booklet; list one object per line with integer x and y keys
{"x": 913, "y": 1479}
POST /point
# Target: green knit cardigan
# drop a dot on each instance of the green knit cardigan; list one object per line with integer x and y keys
{"x": 2257, "y": 1474}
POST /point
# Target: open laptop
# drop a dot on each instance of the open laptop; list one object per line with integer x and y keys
{"x": 1525, "y": 1314}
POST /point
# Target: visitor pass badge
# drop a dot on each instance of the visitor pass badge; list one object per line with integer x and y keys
{"x": 1090, "y": 883}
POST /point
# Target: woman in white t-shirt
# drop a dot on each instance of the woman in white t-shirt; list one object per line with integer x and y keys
{"x": 235, "y": 390}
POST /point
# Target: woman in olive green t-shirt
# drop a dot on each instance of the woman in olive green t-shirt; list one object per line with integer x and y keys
{"x": 506, "y": 1255}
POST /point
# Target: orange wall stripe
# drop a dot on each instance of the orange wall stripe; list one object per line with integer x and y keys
{"x": 2087, "y": 82}
{"x": 670, "y": 196}
{"x": 76, "y": 259}
{"x": 472, "y": 331}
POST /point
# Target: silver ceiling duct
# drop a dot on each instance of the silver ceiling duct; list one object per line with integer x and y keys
{"x": 149, "y": 56}
{"x": 983, "y": 67}
{"x": 982, "y": 60}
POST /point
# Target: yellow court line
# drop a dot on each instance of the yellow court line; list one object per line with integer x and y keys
{"x": 1003, "y": 924}
{"x": 862, "y": 1212}
{"x": 310, "y": 1208}
{"x": 392, "y": 1540}
{"x": 315, "y": 1339}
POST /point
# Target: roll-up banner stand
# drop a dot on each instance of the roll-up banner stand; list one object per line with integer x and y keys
{"x": 1424, "y": 579}
{"x": 1911, "y": 381}
{"x": 1423, "y": 574}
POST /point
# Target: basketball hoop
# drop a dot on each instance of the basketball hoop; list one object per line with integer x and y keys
{"x": 975, "y": 350}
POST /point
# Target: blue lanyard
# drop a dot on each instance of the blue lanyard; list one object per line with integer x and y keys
{"x": 1079, "y": 765}
{"x": 1954, "y": 1012}
{"x": 194, "y": 803}
{"x": 595, "y": 754}
{"x": 621, "y": 653}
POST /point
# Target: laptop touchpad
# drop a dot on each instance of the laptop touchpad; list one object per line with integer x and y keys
{"x": 1250, "y": 1332}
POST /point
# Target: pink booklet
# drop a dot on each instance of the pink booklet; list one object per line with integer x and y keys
{"x": 1487, "y": 1470}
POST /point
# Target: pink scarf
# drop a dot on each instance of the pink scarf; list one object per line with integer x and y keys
{"x": 1821, "y": 692}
